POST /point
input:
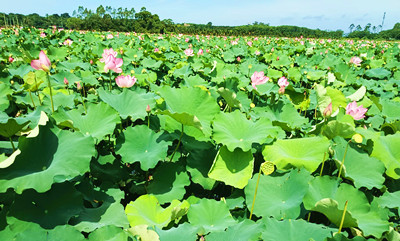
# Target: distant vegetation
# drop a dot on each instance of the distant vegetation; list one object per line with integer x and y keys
{"x": 128, "y": 20}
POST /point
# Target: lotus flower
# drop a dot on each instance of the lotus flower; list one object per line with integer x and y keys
{"x": 355, "y": 60}
{"x": 66, "y": 81}
{"x": 113, "y": 63}
{"x": 43, "y": 63}
{"x": 283, "y": 82}
{"x": 200, "y": 52}
{"x": 357, "y": 112}
{"x": 10, "y": 59}
{"x": 68, "y": 42}
{"x": 106, "y": 53}
{"x": 189, "y": 52}
{"x": 125, "y": 81}
{"x": 258, "y": 78}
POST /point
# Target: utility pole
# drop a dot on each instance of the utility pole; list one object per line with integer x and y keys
{"x": 383, "y": 20}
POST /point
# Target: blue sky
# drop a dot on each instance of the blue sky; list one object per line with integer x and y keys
{"x": 322, "y": 14}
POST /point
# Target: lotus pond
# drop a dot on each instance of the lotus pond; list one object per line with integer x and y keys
{"x": 126, "y": 136}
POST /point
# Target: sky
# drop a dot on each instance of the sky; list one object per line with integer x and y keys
{"x": 314, "y": 14}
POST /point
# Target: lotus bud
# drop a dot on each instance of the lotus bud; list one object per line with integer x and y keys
{"x": 328, "y": 111}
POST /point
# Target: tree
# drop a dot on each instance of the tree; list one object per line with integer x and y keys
{"x": 351, "y": 27}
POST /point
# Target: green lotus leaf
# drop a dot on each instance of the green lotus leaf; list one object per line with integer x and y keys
{"x": 316, "y": 74}
{"x": 183, "y": 118}
{"x": 337, "y": 128}
{"x": 53, "y": 156}
{"x": 21, "y": 231}
{"x": 328, "y": 95}
{"x": 199, "y": 163}
{"x": 141, "y": 144}
{"x": 283, "y": 114}
{"x": 11, "y": 126}
{"x": 143, "y": 233}
{"x": 358, "y": 95}
{"x": 230, "y": 97}
{"x": 193, "y": 101}
{"x": 233, "y": 168}
{"x": 129, "y": 103}
{"x": 294, "y": 230}
{"x": 49, "y": 209}
{"x": 184, "y": 232}
{"x": 235, "y": 131}
{"x": 378, "y": 73}
{"x": 99, "y": 121}
{"x": 210, "y": 215}
{"x": 146, "y": 210}
{"x": 245, "y": 230}
{"x": 370, "y": 219}
{"x": 307, "y": 152}
{"x": 279, "y": 197}
{"x": 5, "y": 92}
{"x": 364, "y": 170}
{"x": 342, "y": 237}
{"x": 169, "y": 181}
{"x": 109, "y": 212}
{"x": 390, "y": 110}
{"x": 386, "y": 149}
{"x": 110, "y": 233}
{"x": 390, "y": 200}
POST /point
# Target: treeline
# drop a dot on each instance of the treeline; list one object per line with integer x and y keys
{"x": 374, "y": 32}
{"x": 128, "y": 20}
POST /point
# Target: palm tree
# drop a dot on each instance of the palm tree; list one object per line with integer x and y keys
{"x": 351, "y": 27}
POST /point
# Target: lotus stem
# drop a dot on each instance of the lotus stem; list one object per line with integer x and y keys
{"x": 177, "y": 146}
{"x": 255, "y": 194}
{"x": 51, "y": 93}
{"x": 110, "y": 81}
{"x": 323, "y": 163}
{"x": 344, "y": 214}
{"x": 83, "y": 103}
{"x": 344, "y": 156}
{"x": 148, "y": 120}
{"x": 12, "y": 144}
{"x": 30, "y": 94}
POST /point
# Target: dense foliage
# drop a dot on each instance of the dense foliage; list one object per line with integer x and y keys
{"x": 178, "y": 137}
{"x": 124, "y": 20}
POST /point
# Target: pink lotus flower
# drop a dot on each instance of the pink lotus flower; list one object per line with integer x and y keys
{"x": 110, "y": 36}
{"x": 43, "y": 63}
{"x": 156, "y": 50}
{"x": 68, "y": 42}
{"x": 189, "y": 52}
{"x": 355, "y": 60}
{"x": 258, "y": 78}
{"x": 78, "y": 86}
{"x": 66, "y": 81}
{"x": 200, "y": 52}
{"x": 357, "y": 112}
{"x": 283, "y": 82}
{"x": 148, "y": 109}
{"x": 106, "y": 53}
{"x": 10, "y": 59}
{"x": 186, "y": 40}
{"x": 257, "y": 52}
{"x": 250, "y": 43}
{"x": 42, "y": 35}
{"x": 238, "y": 59}
{"x": 113, "y": 64}
{"x": 125, "y": 81}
